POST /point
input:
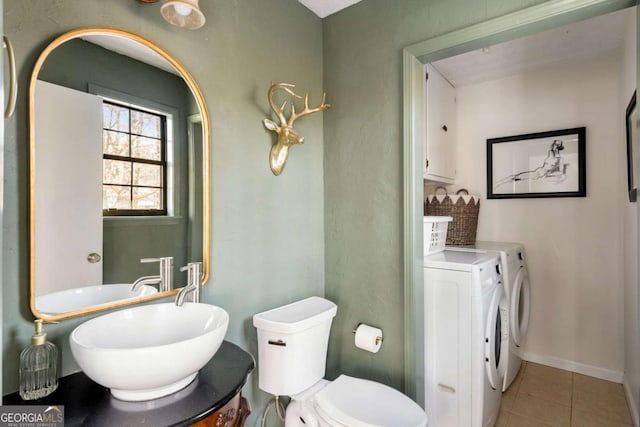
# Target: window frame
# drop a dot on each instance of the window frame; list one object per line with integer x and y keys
{"x": 175, "y": 128}
{"x": 163, "y": 162}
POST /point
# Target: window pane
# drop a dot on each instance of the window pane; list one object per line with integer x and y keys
{"x": 115, "y": 117}
{"x": 116, "y": 172}
{"x": 145, "y": 124}
{"x": 147, "y": 198}
{"x": 116, "y": 197}
{"x": 131, "y": 184}
{"x": 146, "y": 148}
{"x": 115, "y": 143}
{"x": 147, "y": 175}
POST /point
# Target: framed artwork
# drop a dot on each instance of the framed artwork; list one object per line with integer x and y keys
{"x": 544, "y": 164}
{"x": 632, "y": 137}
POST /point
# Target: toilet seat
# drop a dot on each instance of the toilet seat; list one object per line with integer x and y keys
{"x": 356, "y": 402}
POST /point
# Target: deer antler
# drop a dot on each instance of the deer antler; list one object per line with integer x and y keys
{"x": 280, "y": 110}
{"x": 287, "y": 136}
{"x": 323, "y": 106}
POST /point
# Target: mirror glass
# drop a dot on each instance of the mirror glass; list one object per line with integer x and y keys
{"x": 119, "y": 168}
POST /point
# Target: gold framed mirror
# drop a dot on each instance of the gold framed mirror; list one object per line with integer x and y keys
{"x": 119, "y": 158}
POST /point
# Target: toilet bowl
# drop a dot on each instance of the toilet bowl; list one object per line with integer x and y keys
{"x": 353, "y": 402}
{"x": 292, "y": 350}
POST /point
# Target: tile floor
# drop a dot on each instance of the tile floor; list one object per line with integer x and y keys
{"x": 542, "y": 396}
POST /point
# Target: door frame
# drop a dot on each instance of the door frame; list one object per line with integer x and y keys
{"x": 547, "y": 15}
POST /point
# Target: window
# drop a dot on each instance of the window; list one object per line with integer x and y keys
{"x": 134, "y": 172}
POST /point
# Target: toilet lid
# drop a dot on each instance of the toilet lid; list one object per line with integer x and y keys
{"x": 362, "y": 403}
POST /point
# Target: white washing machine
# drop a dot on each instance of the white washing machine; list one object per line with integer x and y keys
{"x": 465, "y": 338}
{"x": 517, "y": 291}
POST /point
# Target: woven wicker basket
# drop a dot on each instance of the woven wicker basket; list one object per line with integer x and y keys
{"x": 464, "y": 211}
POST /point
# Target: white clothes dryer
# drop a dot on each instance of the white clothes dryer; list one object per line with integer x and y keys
{"x": 465, "y": 338}
{"x": 518, "y": 294}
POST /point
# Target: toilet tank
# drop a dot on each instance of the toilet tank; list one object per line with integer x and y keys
{"x": 292, "y": 345}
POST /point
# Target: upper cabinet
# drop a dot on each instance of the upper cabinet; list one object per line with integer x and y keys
{"x": 440, "y": 140}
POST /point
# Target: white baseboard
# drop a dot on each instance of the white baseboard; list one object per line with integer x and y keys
{"x": 580, "y": 368}
{"x": 631, "y": 401}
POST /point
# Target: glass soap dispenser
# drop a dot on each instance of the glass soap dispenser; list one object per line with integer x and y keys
{"x": 38, "y": 366}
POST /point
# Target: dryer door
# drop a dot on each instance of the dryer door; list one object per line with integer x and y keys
{"x": 520, "y": 306}
{"x": 493, "y": 340}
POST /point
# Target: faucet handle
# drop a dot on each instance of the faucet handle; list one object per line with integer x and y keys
{"x": 194, "y": 273}
{"x": 192, "y": 266}
{"x": 161, "y": 259}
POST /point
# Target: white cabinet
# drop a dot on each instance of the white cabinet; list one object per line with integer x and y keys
{"x": 440, "y": 138}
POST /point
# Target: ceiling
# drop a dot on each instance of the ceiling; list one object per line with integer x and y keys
{"x": 583, "y": 39}
{"x": 324, "y": 8}
{"x": 132, "y": 49}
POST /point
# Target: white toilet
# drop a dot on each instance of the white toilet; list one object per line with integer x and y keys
{"x": 292, "y": 355}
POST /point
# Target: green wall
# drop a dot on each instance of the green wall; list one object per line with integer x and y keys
{"x": 267, "y": 231}
{"x": 363, "y": 175}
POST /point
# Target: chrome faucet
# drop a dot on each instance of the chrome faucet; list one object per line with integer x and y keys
{"x": 164, "y": 280}
{"x": 194, "y": 283}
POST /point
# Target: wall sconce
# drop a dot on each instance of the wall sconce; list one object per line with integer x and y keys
{"x": 286, "y": 135}
{"x": 183, "y": 14}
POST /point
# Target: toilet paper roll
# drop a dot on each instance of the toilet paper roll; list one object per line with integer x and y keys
{"x": 368, "y": 338}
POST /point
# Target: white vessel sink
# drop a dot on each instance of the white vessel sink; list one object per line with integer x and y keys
{"x": 150, "y": 351}
{"x": 89, "y": 296}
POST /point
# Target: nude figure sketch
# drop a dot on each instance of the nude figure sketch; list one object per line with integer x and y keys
{"x": 553, "y": 168}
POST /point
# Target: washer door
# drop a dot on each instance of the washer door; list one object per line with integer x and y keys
{"x": 520, "y": 306}
{"x": 493, "y": 340}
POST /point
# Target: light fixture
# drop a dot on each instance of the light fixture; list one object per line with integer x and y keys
{"x": 183, "y": 13}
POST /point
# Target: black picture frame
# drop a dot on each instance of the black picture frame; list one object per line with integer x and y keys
{"x": 632, "y": 167}
{"x": 535, "y": 165}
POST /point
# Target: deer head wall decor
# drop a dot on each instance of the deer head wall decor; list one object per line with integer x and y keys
{"x": 287, "y": 136}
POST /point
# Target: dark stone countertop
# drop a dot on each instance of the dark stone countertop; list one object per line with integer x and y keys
{"x": 87, "y": 403}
